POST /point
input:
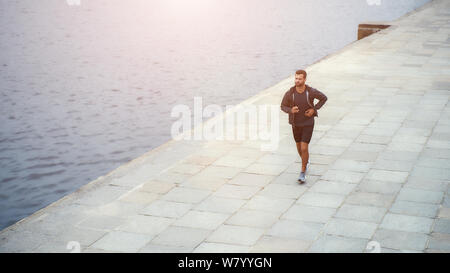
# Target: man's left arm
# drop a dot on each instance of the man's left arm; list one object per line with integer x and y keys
{"x": 321, "y": 97}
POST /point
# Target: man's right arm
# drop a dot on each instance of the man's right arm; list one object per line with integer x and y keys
{"x": 285, "y": 104}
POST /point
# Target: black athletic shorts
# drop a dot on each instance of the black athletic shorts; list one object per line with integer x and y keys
{"x": 302, "y": 133}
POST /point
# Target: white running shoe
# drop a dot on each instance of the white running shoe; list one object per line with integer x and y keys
{"x": 302, "y": 177}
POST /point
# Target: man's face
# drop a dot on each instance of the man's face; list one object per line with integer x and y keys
{"x": 299, "y": 80}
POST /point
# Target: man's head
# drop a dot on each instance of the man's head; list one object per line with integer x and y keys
{"x": 300, "y": 78}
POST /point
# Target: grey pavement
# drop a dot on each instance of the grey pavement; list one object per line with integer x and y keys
{"x": 378, "y": 178}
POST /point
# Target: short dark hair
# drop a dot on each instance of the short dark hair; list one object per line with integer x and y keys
{"x": 303, "y": 72}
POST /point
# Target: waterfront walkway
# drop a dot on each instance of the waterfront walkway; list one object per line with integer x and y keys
{"x": 379, "y": 173}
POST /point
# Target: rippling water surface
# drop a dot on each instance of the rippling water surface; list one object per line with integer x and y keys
{"x": 84, "y": 89}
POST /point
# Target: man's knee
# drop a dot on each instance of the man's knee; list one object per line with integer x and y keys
{"x": 304, "y": 147}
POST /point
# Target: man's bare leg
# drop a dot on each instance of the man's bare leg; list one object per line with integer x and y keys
{"x": 302, "y": 149}
{"x": 299, "y": 148}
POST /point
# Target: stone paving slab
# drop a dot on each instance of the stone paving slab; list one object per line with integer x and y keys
{"x": 201, "y": 219}
{"x": 309, "y": 213}
{"x": 254, "y": 218}
{"x": 186, "y": 195}
{"x": 416, "y": 195}
{"x": 379, "y": 168}
{"x": 316, "y": 199}
{"x": 439, "y": 241}
{"x": 268, "y": 203}
{"x": 338, "y": 244}
{"x": 380, "y": 187}
{"x": 325, "y": 186}
{"x": 407, "y": 223}
{"x": 306, "y": 231}
{"x": 273, "y": 244}
{"x": 236, "y": 235}
{"x": 401, "y": 240}
{"x": 166, "y": 209}
{"x": 220, "y": 205}
{"x": 350, "y": 228}
{"x": 177, "y": 236}
{"x": 221, "y": 248}
{"x": 250, "y": 179}
{"x": 142, "y": 224}
{"x": 370, "y": 199}
{"x": 415, "y": 208}
{"x": 361, "y": 213}
{"x": 122, "y": 241}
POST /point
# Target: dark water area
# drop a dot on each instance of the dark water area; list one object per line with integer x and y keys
{"x": 87, "y": 88}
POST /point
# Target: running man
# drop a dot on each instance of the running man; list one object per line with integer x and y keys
{"x": 298, "y": 102}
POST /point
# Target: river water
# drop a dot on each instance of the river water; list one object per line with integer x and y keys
{"x": 85, "y": 88}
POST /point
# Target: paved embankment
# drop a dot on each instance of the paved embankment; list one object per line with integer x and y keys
{"x": 380, "y": 168}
